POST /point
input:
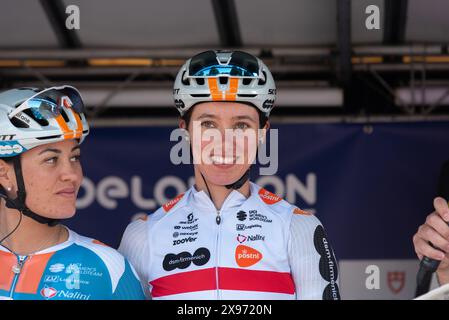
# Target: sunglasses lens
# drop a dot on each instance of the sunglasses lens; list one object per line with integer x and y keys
{"x": 241, "y": 64}
{"x": 47, "y": 104}
{"x": 43, "y": 109}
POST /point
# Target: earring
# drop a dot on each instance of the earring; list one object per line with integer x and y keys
{"x": 9, "y": 188}
{"x": 187, "y": 136}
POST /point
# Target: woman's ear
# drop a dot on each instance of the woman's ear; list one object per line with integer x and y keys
{"x": 267, "y": 125}
{"x": 6, "y": 175}
{"x": 263, "y": 133}
{"x": 183, "y": 126}
{"x": 182, "y": 123}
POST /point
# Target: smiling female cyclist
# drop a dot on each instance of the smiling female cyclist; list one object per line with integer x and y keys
{"x": 226, "y": 237}
{"x": 40, "y": 175}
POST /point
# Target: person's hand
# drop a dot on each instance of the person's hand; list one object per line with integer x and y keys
{"x": 435, "y": 230}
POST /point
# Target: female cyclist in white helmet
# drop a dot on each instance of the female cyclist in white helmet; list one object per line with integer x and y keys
{"x": 226, "y": 237}
{"x": 40, "y": 175}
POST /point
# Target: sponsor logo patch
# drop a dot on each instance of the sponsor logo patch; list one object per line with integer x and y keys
{"x": 48, "y": 292}
{"x": 242, "y": 238}
{"x": 242, "y": 227}
{"x": 241, "y": 215}
{"x": 246, "y": 256}
{"x": 254, "y": 216}
{"x": 55, "y": 268}
{"x": 10, "y": 148}
{"x": 183, "y": 260}
{"x": 328, "y": 264}
{"x": 169, "y": 205}
{"x": 268, "y": 197}
{"x": 185, "y": 240}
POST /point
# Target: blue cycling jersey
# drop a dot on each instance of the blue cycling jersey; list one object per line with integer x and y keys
{"x": 78, "y": 269}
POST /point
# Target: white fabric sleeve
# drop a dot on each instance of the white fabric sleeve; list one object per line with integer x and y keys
{"x": 135, "y": 247}
{"x": 435, "y": 282}
{"x": 312, "y": 261}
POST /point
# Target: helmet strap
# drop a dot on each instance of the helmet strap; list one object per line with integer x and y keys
{"x": 240, "y": 182}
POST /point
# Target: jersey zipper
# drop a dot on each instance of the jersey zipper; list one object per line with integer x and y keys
{"x": 17, "y": 269}
{"x": 217, "y": 253}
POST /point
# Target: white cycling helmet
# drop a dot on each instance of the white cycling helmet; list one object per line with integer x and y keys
{"x": 224, "y": 76}
{"x": 30, "y": 117}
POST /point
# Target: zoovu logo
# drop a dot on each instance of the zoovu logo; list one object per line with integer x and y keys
{"x": 236, "y": 147}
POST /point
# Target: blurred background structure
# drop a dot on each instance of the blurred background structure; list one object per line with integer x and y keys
{"x": 324, "y": 58}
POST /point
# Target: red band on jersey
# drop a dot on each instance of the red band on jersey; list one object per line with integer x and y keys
{"x": 229, "y": 279}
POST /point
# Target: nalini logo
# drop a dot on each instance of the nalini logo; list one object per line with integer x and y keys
{"x": 241, "y": 238}
{"x": 246, "y": 256}
{"x": 58, "y": 267}
{"x": 241, "y": 215}
{"x": 48, "y": 292}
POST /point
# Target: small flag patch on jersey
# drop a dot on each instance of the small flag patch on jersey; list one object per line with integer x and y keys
{"x": 268, "y": 197}
{"x": 302, "y": 212}
{"x": 100, "y": 243}
{"x": 167, "y": 207}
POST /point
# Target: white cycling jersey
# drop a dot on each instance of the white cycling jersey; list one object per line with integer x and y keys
{"x": 260, "y": 247}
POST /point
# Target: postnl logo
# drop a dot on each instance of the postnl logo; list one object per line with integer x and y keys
{"x": 246, "y": 256}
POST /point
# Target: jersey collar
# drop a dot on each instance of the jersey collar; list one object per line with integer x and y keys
{"x": 234, "y": 199}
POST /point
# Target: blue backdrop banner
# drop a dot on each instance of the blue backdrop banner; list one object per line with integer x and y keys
{"x": 370, "y": 186}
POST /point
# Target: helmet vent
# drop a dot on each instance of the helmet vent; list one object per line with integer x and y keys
{"x": 49, "y": 137}
{"x": 64, "y": 115}
{"x": 262, "y": 81}
{"x": 183, "y": 80}
{"x": 246, "y": 81}
{"x": 223, "y": 80}
{"x": 200, "y": 95}
{"x": 200, "y": 81}
{"x": 19, "y": 123}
